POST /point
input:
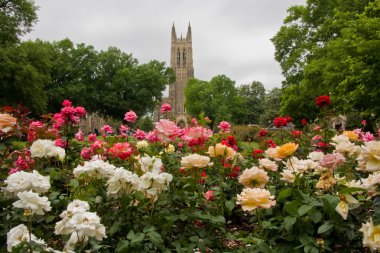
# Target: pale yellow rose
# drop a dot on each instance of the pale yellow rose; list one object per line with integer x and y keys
{"x": 211, "y": 151}
{"x": 142, "y": 144}
{"x": 254, "y": 177}
{"x": 268, "y": 164}
{"x": 288, "y": 176}
{"x": 287, "y": 149}
{"x": 371, "y": 155}
{"x": 195, "y": 161}
{"x": 7, "y": 122}
{"x": 253, "y": 198}
{"x": 342, "y": 209}
{"x": 170, "y": 149}
{"x": 272, "y": 152}
{"x": 371, "y": 235}
{"x": 351, "y": 134}
{"x": 221, "y": 150}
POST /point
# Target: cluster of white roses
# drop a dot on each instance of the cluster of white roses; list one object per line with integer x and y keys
{"x": 81, "y": 224}
{"x": 46, "y": 148}
{"x": 149, "y": 179}
{"x": 27, "y": 186}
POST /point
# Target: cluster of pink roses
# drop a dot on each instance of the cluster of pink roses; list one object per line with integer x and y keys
{"x": 68, "y": 115}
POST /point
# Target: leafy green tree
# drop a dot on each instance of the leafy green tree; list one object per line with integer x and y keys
{"x": 218, "y": 99}
{"x": 271, "y": 106}
{"x": 253, "y": 95}
{"x": 16, "y": 19}
{"x": 330, "y": 47}
{"x": 24, "y": 73}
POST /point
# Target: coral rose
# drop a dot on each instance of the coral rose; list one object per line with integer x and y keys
{"x": 7, "y": 122}
{"x": 253, "y": 198}
{"x": 121, "y": 150}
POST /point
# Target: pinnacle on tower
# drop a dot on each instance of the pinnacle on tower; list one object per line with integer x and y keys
{"x": 188, "y": 35}
{"x": 174, "y": 35}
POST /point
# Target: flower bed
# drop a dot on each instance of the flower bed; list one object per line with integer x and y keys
{"x": 186, "y": 190}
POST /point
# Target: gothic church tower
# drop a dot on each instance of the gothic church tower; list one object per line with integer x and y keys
{"x": 181, "y": 61}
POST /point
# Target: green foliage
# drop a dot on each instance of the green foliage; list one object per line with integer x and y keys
{"x": 253, "y": 95}
{"x": 330, "y": 48}
{"x": 24, "y": 75}
{"x": 16, "y": 19}
{"x": 217, "y": 99}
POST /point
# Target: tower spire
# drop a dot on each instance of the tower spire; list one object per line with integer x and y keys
{"x": 188, "y": 35}
{"x": 174, "y": 35}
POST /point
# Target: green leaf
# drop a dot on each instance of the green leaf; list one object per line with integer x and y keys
{"x": 115, "y": 227}
{"x": 348, "y": 190}
{"x": 316, "y": 216}
{"x": 284, "y": 194}
{"x": 138, "y": 238}
{"x": 376, "y": 207}
{"x": 289, "y": 222}
{"x": 155, "y": 237}
{"x": 218, "y": 219}
{"x": 230, "y": 205}
{"x": 306, "y": 239}
{"x": 292, "y": 208}
{"x": 122, "y": 246}
{"x": 148, "y": 229}
{"x": 131, "y": 235}
{"x": 304, "y": 210}
{"x": 49, "y": 218}
{"x": 327, "y": 226}
{"x": 139, "y": 195}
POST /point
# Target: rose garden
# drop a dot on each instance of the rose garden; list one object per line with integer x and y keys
{"x": 95, "y": 158}
{"x": 187, "y": 190}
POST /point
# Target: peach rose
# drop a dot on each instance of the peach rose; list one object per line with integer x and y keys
{"x": 195, "y": 161}
{"x": 253, "y": 198}
{"x": 254, "y": 177}
{"x": 7, "y": 122}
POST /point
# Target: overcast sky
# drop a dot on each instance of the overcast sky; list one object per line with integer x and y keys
{"x": 230, "y": 37}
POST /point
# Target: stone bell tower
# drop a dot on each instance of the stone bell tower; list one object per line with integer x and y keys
{"x": 181, "y": 61}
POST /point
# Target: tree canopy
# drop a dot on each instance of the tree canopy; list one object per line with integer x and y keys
{"x": 330, "y": 47}
{"x": 16, "y": 18}
{"x": 42, "y": 74}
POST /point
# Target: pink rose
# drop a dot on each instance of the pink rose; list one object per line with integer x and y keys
{"x": 130, "y": 116}
{"x": 139, "y": 134}
{"x": 92, "y": 137}
{"x": 331, "y": 161}
{"x": 66, "y": 103}
{"x": 86, "y": 153}
{"x": 107, "y": 129}
{"x": 165, "y": 108}
{"x": 79, "y": 136}
{"x": 224, "y": 127}
{"x": 166, "y": 130}
{"x": 208, "y": 195}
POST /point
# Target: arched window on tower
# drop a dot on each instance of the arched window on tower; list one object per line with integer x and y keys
{"x": 184, "y": 57}
{"x": 178, "y": 58}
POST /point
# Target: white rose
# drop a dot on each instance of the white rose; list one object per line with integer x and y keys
{"x": 142, "y": 144}
{"x": 32, "y": 201}
{"x": 20, "y": 234}
{"x": 40, "y": 148}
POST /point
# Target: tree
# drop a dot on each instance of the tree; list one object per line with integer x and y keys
{"x": 271, "y": 106}
{"x": 24, "y": 73}
{"x": 253, "y": 95}
{"x": 16, "y": 19}
{"x": 218, "y": 99}
{"x": 330, "y": 48}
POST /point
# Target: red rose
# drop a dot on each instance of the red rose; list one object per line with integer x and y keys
{"x": 281, "y": 121}
{"x": 304, "y": 121}
{"x": 262, "y": 133}
{"x": 296, "y": 134}
{"x": 322, "y": 101}
{"x": 258, "y": 153}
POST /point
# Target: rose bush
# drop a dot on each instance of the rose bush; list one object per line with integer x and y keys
{"x": 187, "y": 190}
